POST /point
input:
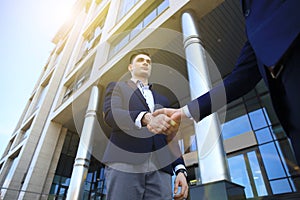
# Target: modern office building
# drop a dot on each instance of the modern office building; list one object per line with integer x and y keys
{"x": 56, "y": 148}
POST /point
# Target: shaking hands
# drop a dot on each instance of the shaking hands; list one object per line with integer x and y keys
{"x": 165, "y": 120}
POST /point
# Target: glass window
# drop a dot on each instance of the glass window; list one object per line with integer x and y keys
{"x": 136, "y": 30}
{"x": 80, "y": 78}
{"x": 125, "y": 6}
{"x": 69, "y": 92}
{"x": 278, "y": 132}
{"x": 263, "y": 135}
{"x": 235, "y": 127}
{"x": 138, "y": 25}
{"x": 53, "y": 189}
{"x": 73, "y": 145}
{"x": 287, "y": 155}
{"x": 41, "y": 97}
{"x": 95, "y": 178}
{"x": 120, "y": 43}
{"x": 257, "y": 119}
{"x": 27, "y": 132}
{"x": 149, "y": 18}
{"x": 239, "y": 174}
{"x": 261, "y": 87}
{"x": 124, "y": 41}
{"x": 164, "y": 5}
{"x": 256, "y": 114}
{"x": 250, "y": 95}
{"x": 89, "y": 177}
{"x": 65, "y": 181}
{"x": 293, "y": 185}
{"x": 280, "y": 186}
{"x": 193, "y": 140}
{"x": 266, "y": 103}
{"x": 257, "y": 174}
{"x": 62, "y": 192}
{"x": 267, "y": 116}
{"x": 92, "y": 39}
{"x": 271, "y": 161}
{"x": 66, "y": 143}
{"x": 56, "y": 179}
{"x": 13, "y": 162}
{"x": 236, "y": 122}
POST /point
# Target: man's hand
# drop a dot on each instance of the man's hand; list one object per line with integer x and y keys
{"x": 160, "y": 123}
{"x": 170, "y": 123}
{"x": 175, "y": 114}
{"x": 181, "y": 181}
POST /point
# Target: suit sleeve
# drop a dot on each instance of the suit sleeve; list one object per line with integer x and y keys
{"x": 178, "y": 162}
{"x": 242, "y": 79}
{"x": 113, "y": 109}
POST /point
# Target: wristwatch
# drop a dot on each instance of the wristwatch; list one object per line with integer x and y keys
{"x": 181, "y": 170}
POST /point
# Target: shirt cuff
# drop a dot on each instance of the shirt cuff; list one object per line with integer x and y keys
{"x": 180, "y": 166}
{"x": 186, "y": 111}
{"x": 138, "y": 120}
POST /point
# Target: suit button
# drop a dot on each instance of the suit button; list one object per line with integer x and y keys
{"x": 247, "y": 12}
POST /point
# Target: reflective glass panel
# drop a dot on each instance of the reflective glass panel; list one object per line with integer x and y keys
{"x": 125, "y": 6}
{"x": 150, "y": 17}
{"x": 261, "y": 87}
{"x": 271, "y": 161}
{"x": 257, "y": 119}
{"x": 257, "y": 174}
{"x": 193, "y": 146}
{"x": 263, "y": 136}
{"x": 266, "y": 103}
{"x": 239, "y": 174}
{"x": 278, "y": 132}
{"x": 162, "y": 6}
{"x": 235, "y": 127}
{"x": 136, "y": 30}
{"x": 280, "y": 186}
{"x": 287, "y": 155}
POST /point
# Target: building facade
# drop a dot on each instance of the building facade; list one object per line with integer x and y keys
{"x": 59, "y": 140}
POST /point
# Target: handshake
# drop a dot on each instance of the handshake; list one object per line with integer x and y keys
{"x": 165, "y": 120}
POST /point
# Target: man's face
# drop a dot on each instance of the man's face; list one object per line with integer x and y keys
{"x": 140, "y": 66}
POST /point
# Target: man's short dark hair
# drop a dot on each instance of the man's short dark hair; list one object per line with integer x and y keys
{"x": 132, "y": 57}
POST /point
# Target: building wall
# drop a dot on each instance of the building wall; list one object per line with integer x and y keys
{"x": 92, "y": 49}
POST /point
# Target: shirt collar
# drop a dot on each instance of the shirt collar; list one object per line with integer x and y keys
{"x": 140, "y": 84}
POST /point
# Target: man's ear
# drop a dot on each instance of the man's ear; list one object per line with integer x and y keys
{"x": 130, "y": 67}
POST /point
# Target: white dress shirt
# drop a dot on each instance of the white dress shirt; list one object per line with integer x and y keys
{"x": 147, "y": 94}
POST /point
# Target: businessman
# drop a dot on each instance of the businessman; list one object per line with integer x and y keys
{"x": 271, "y": 53}
{"x": 140, "y": 164}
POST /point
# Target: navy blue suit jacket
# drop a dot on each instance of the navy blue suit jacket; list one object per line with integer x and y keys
{"x": 271, "y": 28}
{"x": 129, "y": 144}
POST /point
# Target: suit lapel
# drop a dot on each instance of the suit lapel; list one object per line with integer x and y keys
{"x": 138, "y": 93}
{"x": 157, "y": 101}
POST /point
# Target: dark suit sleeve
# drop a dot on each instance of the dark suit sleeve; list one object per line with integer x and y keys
{"x": 114, "y": 113}
{"x": 178, "y": 161}
{"x": 242, "y": 79}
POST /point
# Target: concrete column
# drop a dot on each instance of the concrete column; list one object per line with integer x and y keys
{"x": 211, "y": 155}
{"x": 82, "y": 160}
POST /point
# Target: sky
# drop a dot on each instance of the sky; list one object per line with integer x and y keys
{"x": 26, "y": 30}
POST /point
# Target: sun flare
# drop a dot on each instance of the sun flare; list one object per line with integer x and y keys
{"x": 59, "y": 12}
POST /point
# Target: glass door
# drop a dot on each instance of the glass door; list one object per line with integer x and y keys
{"x": 62, "y": 192}
{"x": 247, "y": 169}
